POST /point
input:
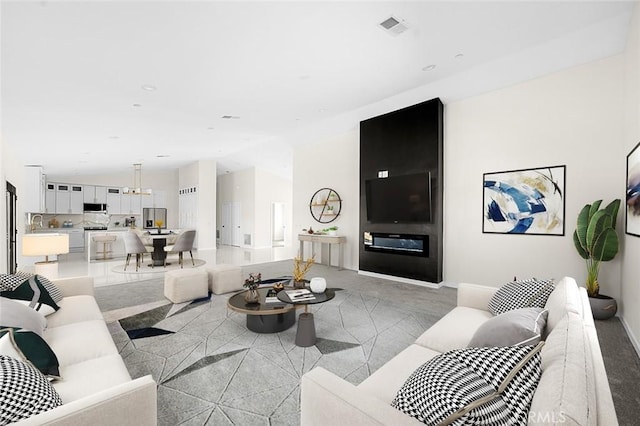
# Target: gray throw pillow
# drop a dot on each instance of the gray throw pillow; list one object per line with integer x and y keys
{"x": 513, "y": 328}
{"x": 14, "y": 314}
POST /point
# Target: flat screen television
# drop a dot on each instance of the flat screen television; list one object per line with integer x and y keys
{"x": 399, "y": 199}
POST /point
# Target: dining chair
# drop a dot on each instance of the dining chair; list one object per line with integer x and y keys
{"x": 183, "y": 243}
{"x": 134, "y": 245}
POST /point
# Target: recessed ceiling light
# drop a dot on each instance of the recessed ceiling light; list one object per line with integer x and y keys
{"x": 148, "y": 87}
{"x": 230, "y": 117}
{"x": 114, "y": 137}
{"x": 304, "y": 77}
{"x": 429, "y": 68}
{"x": 136, "y": 105}
{"x": 459, "y": 56}
{"x": 162, "y": 156}
{"x": 210, "y": 128}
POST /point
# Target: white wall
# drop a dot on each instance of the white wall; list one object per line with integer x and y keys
{"x": 207, "y": 194}
{"x": 255, "y": 190}
{"x": 270, "y": 189}
{"x": 630, "y": 301}
{"x": 239, "y": 187}
{"x": 202, "y": 174}
{"x": 574, "y": 118}
{"x": 331, "y": 163}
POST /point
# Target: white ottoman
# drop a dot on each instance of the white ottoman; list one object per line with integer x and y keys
{"x": 183, "y": 285}
{"x": 224, "y": 278}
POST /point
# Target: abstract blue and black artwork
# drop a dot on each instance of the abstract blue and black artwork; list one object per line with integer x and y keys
{"x": 527, "y": 201}
{"x": 633, "y": 192}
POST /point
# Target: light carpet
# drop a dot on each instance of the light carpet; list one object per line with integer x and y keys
{"x": 211, "y": 370}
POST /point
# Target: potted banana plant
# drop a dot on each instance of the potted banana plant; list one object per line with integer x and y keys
{"x": 596, "y": 241}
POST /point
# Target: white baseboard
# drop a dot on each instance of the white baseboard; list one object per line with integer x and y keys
{"x": 632, "y": 337}
{"x": 401, "y": 279}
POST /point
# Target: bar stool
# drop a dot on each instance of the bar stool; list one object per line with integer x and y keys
{"x": 106, "y": 241}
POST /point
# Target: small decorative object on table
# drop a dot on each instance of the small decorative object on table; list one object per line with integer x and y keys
{"x": 159, "y": 224}
{"x": 278, "y": 286}
{"x": 300, "y": 268}
{"x": 318, "y": 285}
{"x": 251, "y": 284}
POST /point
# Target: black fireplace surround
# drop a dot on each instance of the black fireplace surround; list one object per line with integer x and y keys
{"x": 398, "y": 145}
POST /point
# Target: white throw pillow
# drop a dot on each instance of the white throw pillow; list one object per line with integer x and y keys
{"x": 15, "y": 314}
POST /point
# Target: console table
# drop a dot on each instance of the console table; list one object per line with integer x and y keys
{"x": 329, "y": 240}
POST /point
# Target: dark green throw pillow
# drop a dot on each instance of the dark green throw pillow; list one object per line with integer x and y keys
{"x": 31, "y": 348}
{"x": 33, "y": 291}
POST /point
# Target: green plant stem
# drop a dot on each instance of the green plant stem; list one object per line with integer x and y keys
{"x": 593, "y": 269}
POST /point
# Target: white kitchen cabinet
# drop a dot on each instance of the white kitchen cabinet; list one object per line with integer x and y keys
{"x": 131, "y": 204}
{"x": 77, "y": 199}
{"x": 34, "y": 181}
{"x": 76, "y": 240}
{"x": 68, "y": 198}
{"x": 63, "y": 198}
{"x": 157, "y": 199}
{"x": 95, "y": 194}
{"x": 114, "y": 196}
{"x": 50, "y": 198}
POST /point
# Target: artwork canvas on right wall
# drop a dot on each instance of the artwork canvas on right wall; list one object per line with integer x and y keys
{"x": 633, "y": 192}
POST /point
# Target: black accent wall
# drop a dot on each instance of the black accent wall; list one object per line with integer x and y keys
{"x": 403, "y": 142}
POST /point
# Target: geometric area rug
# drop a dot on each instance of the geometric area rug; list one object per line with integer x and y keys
{"x": 212, "y": 370}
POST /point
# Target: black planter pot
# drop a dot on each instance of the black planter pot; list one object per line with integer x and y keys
{"x": 603, "y": 307}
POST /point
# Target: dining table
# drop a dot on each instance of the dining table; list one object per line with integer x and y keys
{"x": 159, "y": 255}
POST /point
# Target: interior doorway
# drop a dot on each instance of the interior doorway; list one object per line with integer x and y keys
{"x": 278, "y": 225}
{"x": 12, "y": 228}
{"x": 231, "y": 231}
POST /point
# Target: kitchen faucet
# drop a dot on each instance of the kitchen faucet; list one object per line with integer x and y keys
{"x": 33, "y": 222}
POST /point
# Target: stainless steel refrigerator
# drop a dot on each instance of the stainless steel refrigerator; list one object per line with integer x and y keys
{"x": 151, "y": 215}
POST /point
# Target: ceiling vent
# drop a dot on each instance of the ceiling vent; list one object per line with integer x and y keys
{"x": 230, "y": 117}
{"x": 394, "y": 26}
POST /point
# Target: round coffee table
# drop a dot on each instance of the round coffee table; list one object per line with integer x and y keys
{"x": 264, "y": 317}
{"x": 306, "y": 333}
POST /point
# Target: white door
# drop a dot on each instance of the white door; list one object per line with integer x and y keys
{"x": 225, "y": 224}
{"x": 277, "y": 224}
{"x": 236, "y": 209}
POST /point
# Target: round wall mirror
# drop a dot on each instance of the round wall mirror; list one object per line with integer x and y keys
{"x": 325, "y": 205}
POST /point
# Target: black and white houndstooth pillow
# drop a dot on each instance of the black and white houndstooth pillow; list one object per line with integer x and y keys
{"x": 480, "y": 386}
{"x": 24, "y": 391}
{"x": 9, "y": 282}
{"x": 532, "y": 293}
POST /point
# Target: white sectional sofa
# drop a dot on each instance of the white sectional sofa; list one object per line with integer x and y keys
{"x": 573, "y": 388}
{"x": 95, "y": 388}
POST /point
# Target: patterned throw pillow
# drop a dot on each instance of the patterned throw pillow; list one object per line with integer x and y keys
{"x": 28, "y": 347}
{"x": 531, "y": 293}
{"x": 31, "y": 289}
{"x": 479, "y": 386}
{"x": 24, "y": 391}
{"x": 10, "y": 282}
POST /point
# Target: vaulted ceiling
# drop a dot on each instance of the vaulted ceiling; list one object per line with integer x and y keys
{"x": 91, "y": 87}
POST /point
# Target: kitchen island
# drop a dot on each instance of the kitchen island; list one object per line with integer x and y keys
{"x": 117, "y": 246}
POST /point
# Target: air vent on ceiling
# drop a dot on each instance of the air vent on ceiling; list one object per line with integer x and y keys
{"x": 394, "y": 26}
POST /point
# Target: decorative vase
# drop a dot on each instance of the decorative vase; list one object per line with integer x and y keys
{"x": 251, "y": 296}
{"x": 299, "y": 284}
{"x": 318, "y": 285}
{"x": 603, "y": 307}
